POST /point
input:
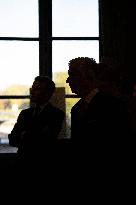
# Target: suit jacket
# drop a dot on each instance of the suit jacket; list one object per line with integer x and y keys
{"x": 35, "y": 134}
{"x": 99, "y": 139}
{"x": 103, "y": 123}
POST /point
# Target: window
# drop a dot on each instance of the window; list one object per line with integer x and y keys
{"x": 75, "y": 32}
{"x": 19, "y": 59}
{"x": 40, "y": 37}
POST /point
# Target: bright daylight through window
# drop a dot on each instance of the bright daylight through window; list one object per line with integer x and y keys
{"x": 19, "y": 58}
{"x": 75, "y": 32}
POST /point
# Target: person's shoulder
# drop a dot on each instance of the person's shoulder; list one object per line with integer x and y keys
{"x": 76, "y": 105}
{"x": 26, "y": 111}
{"x": 109, "y": 101}
{"x": 108, "y": 97}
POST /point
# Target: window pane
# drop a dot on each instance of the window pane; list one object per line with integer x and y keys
{"x": 63, "y": 51}
{"x": 19, "y": 65}
{"x": 75, "y": 18}
{"x": 19, "y": 18}
{"x": 9, "y": 111}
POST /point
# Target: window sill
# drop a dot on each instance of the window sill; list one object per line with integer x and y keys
{"x": 7, "y": 149}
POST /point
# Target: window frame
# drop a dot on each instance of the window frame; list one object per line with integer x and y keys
{"x": 45, "y": 40}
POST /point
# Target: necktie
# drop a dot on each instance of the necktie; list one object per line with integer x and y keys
{"x": 36, "y": 111}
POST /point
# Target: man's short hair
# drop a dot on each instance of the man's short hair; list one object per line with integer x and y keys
{"x": 85, "y": 64}
{"x": 47, "y": 81}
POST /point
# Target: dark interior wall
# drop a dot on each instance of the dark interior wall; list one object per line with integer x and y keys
{"x": 118, "y": 32}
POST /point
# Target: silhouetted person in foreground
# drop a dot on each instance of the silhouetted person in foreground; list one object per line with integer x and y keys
{"x": 98, "y": 120}
{"x": 37, "y": 128}
{"x": 99, "y": 126}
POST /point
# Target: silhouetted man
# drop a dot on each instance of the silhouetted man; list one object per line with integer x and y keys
{"x": 37, "y": 128}
{"x": 98, "y": 119}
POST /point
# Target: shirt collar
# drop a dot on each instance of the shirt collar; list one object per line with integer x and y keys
{"x": 90, "y": 96}
{"x": 42, "y": 106}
